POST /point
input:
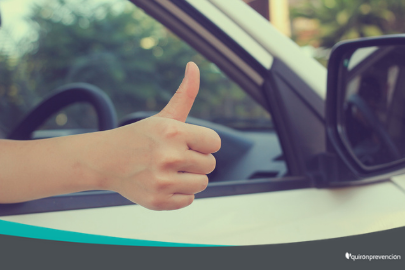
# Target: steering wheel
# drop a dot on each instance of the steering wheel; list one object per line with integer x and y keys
{"x": 62, "y": 97}
{"x": 356, "y": 101}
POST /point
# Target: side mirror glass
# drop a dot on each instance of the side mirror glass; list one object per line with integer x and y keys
{"x": 366, "y": 101}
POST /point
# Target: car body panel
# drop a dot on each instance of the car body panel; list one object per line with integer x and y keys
{"x": 209, "y": 37}
{"x": 254, "y": 219}
{"x": 234, "y": 31}
{"x": 276, "y": 43}
{"x": 399, "y": 181}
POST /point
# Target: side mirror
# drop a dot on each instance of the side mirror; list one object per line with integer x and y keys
{"x": 366, "y": 104}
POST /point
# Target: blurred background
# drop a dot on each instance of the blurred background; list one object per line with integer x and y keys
{"x": 317, "y": 25}
{"x": 139, "y": 63}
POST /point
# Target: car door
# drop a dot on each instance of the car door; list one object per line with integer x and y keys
{"x": 266, "y": 205}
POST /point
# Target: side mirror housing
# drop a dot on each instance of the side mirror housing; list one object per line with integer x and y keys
{"x": 365, "y": 105}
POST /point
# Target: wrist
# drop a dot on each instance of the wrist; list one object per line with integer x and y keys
{"x": 85, "y": 159}
{"x": 74, "y": 153}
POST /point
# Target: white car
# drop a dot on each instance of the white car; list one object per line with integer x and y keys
{"x": 290, "y": 183}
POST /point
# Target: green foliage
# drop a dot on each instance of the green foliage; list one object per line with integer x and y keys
{"x": 347, "y": 19}
{"x": 13, "y": 99}
{"x": 120, "y": 49}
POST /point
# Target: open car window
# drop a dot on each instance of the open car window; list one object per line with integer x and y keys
{"x": 139, "y": 64}
{"x": 117, "y": 47}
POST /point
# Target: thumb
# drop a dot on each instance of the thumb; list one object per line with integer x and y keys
{"x": 180, "y": 104}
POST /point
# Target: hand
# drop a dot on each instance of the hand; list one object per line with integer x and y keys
{"x": 159, "y": 162}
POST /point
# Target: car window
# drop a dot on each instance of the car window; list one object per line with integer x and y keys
{"x": 129, "y": 55}
{"x": 120, "y": 49}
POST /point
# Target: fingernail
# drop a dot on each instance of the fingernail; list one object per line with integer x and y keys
{"x": 188, "y": 64}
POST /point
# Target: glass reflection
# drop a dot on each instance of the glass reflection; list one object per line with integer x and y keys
{"x": 373, "y": 121}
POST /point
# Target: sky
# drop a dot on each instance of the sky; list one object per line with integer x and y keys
{"x": 13, "y": 25}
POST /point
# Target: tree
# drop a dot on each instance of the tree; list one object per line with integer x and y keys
{"x": 120, "y": 49}
{"x": 347, "y": 19}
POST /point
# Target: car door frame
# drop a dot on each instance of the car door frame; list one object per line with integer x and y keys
{"x": 280, "y": 89}
{"x": 297, "y": 112}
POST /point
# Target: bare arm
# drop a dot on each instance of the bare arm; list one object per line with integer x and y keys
{"x": 159, "y": 162}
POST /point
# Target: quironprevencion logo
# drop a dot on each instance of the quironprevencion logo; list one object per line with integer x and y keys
{"x": 350, "y": 256}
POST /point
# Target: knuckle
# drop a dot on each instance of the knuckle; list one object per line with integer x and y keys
{"x": 216, "y": 142}
{"x": 171, "y": 130}
{"x": 163, "y": 184}
{"x": 212, "y": 163}
{"x": 171, "y": 160}
{"x": 204, "y": 183}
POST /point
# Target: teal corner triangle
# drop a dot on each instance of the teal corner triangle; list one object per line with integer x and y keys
{"x": 30, "y": 231}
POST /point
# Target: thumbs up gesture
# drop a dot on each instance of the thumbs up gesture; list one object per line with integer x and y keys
{"x": 159, "y": 162}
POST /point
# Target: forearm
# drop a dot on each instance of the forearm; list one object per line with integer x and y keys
{"x": 159, "y": 162}
{"x": 35, "y": 169}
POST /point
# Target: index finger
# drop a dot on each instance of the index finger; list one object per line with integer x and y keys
{"x": 202, "y": 139}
